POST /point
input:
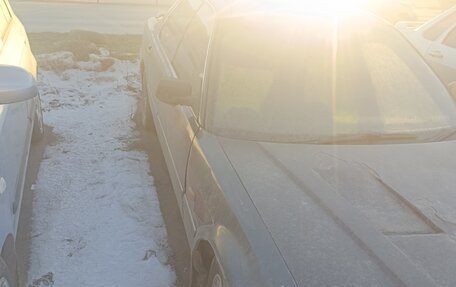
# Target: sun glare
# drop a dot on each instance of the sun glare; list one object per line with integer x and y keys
{"x": 334, "y": 8}
{"x": 331, "y": 8}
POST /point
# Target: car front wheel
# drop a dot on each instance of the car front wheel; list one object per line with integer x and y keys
{"x": 145, "y": 115}
{"x": 5, "y": 277}
{"x": 215, "y": 277}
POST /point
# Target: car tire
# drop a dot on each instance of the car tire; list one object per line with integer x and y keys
{"x": 144, "y": 113}
{"x": 215, "y": 276}
{"x": 38, "y": 127}
{"x": 5, "y": 276}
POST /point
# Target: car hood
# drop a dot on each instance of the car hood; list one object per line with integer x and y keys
{"x": 364, "y": 215}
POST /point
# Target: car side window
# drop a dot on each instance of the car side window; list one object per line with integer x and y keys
{"x": 176, "y": 25}
{"x": 438, "y": 28}
{"x": 190, "y": 58}
{"x": 5, "y": 18}
{"x": 450, "y": 39}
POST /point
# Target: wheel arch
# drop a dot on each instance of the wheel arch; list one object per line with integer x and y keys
{"x": 236, "y": 262}
{"x": 7, "y": 238}
{"x": 201, "y": 257}
{"x": 8, "y": 253}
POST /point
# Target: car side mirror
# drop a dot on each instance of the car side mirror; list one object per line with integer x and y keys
{"x": 175, "y": 92}
{"x": 452, "y": 89}
{"x": 16, "y": 85}
{"x": 160, "y": 17}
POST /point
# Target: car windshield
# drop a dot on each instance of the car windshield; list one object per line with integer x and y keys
{"x": 275, "y": 79}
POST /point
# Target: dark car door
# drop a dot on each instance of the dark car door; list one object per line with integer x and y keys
{"x": 182, "y": 44}
{"x": 172, "y": 122}
{"x": 189, "y": 64}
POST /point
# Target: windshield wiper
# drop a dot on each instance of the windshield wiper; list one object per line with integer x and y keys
{"x": 448, "y": 134}
{"x": 370, "y": 138}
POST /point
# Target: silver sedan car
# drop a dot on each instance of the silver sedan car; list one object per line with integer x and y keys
{"x": 436, "y": 41}
{"x": 20, "y": 120}
{"x": 305, "y": 148}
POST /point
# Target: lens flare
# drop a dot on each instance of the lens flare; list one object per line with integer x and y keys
{"x": 332, "y": 8}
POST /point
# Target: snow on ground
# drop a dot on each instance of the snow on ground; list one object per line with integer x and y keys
{"x": 96, "y": 216}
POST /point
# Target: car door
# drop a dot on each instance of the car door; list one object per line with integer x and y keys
{"x": 15, "y": 125}
{"x": 442, "y": 56}
{"x": 7, "y": 175}
{"x": 189, "y": 63}
{"x": 172, "y": 122}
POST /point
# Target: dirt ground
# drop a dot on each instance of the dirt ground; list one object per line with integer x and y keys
{"x": 123, "y": 47}
{"x": 81, "y": 43}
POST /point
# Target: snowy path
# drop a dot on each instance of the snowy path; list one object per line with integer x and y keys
{"x": 96, "y": 217}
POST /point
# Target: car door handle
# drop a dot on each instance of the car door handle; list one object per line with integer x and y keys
{"x": 436, "y": 54}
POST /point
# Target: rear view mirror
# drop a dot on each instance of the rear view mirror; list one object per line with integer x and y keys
{"x": 452, "y": 88}
{"x": 16, "y": 85}
{"x": 175, "y": 92}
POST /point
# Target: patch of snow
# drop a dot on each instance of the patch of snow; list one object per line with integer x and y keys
{"x": 96, "y": 217}
{"x": 62, "y": 61}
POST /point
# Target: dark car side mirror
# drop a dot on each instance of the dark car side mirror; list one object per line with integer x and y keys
{"x": 160, "y": 17}
{"x": 16, "y": 85}
{"x": 175, "y": 92}
{"x": 452, "y": 89}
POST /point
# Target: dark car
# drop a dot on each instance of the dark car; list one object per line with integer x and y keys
{"x": 306, "y": 148}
